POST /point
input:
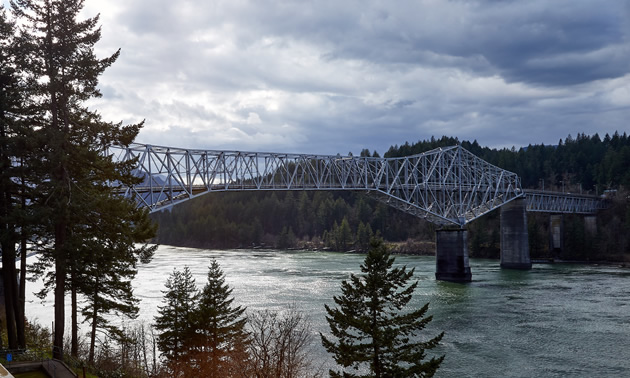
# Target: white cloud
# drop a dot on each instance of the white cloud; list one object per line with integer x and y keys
{"x": 253, "y": 119}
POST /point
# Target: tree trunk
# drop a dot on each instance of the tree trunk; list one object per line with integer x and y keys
{"x": 154, "y": 342}
{"x": 74, "y": 346}
{"x": 20, "y": 316}
{"x": 94, "y": 320}
{"x": 60, "y": 286}
{"x": 92, "y": 338}
{"x": 20, "y": 320}
{"x": 7, "y": 242}
{"x": 9, "y": 279}
{"x": 377, "y": 358}
{"x": 144, "y": 348}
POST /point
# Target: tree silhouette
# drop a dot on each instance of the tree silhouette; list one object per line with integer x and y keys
{"x": 176, "y": 320}
{"x": 221, "y": 338}
{"x": 372, "y": 328}
{"x": 73, "y": 188}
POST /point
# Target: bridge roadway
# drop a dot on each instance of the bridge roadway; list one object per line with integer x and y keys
{"x": 448, "y": 186}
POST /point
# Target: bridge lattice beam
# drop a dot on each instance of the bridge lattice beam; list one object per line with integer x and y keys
{"x": 558, "y": 202}
{"x": 446, "y": 185}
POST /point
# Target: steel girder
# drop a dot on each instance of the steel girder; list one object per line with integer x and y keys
{"x": 446, "y": 185}
{"x": 557, "y": 202}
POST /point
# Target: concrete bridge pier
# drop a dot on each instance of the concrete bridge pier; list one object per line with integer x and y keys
{"x": 514, "y": 236}
{"x": 452, "y": 255}
{"x": 556, "y": 229}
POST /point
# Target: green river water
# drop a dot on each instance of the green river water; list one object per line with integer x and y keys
{"x": 556, "y": 320}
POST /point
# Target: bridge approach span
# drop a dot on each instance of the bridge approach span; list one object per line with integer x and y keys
{"x": 563, "y": 203}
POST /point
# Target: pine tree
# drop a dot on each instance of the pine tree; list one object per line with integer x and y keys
{"x": 108, "y": 265}
{"x": 10, "y": 107}
{"x": 74, "y": 172}
{"x": 17, "y": 182}
{"x": 176, "y": 320}
{"x": 371, "y": 325}
{"x": 221, "y": 338}
{"x": 283, "y": 238}
{"x": 105, "y": 255}
{"x": 364, "y": 235}
{"x": 344, "y": 235}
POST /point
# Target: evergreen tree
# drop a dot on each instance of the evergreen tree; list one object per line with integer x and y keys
{"x": 344, "y": 235}
{"x": 18, "y": 159}
{"x": 108, "y": 265}
{"x": 176, "y": 320}
{"x": 74, "y": 172}
{"x": 371, "y": 326}
{"x": 221, "y": 338}
{"x": 363, "y": 238}
{"x": 11, "y": 107}
{"x": 286, "y": 238}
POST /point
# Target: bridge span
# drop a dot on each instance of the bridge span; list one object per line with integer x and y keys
{"x": 447, "y": 186}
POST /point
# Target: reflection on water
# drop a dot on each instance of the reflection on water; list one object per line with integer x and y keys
{"x": 553, "y": 321}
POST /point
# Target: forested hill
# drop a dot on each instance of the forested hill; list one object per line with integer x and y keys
{"x": 346, "y": 220}
{"x": 285, "y": 219}
{"x": 593, "y": 163}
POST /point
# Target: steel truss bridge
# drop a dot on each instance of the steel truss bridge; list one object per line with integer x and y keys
{"x": 447, "y": 186}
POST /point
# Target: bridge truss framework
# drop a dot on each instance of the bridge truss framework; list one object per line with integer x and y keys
{"x": 445, "y": 185}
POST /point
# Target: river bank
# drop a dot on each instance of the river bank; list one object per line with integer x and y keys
{"x": 417, "y": 247}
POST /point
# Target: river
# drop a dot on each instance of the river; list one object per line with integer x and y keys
{"x": 555, "y": 320}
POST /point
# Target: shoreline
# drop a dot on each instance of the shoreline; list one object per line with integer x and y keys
{"x": 401, "y": 249}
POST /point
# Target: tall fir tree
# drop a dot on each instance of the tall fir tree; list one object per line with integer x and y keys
{"x": 344, "y": 235}
{"x": 18, "y": 175}
{"x": 11, "y": 103}
{"x": 221, "y": 337}
{"x": 71, "y": 138}
{"x": 108, "y": 265}
{"x": 371, "y": 326}
{"x": 175, "y": 321}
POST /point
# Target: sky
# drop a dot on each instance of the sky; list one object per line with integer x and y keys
{"x": 339, "y": 76}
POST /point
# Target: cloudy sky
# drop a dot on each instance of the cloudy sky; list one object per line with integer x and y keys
{"x": 342, "y": 75}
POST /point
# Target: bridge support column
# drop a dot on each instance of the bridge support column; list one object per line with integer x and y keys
{"x": 556, "y": 230}
{"x": 514, "y": 237}
{"x": 452, "y": 256}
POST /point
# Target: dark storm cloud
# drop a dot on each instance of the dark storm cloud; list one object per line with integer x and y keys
{"x": 539, "y": 42}
{"x": 572, "y": 42}
{"x": 338, "y": 76}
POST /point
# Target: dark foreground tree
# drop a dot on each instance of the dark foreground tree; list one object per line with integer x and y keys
{"x": 108, "y": 265}
{"x": 11, "y": 109}
{"x": 374, "y": 332}
{"x": 176, "y": 321}
{"x": 221, "y": 339}
{"x": 73, "y": 172}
